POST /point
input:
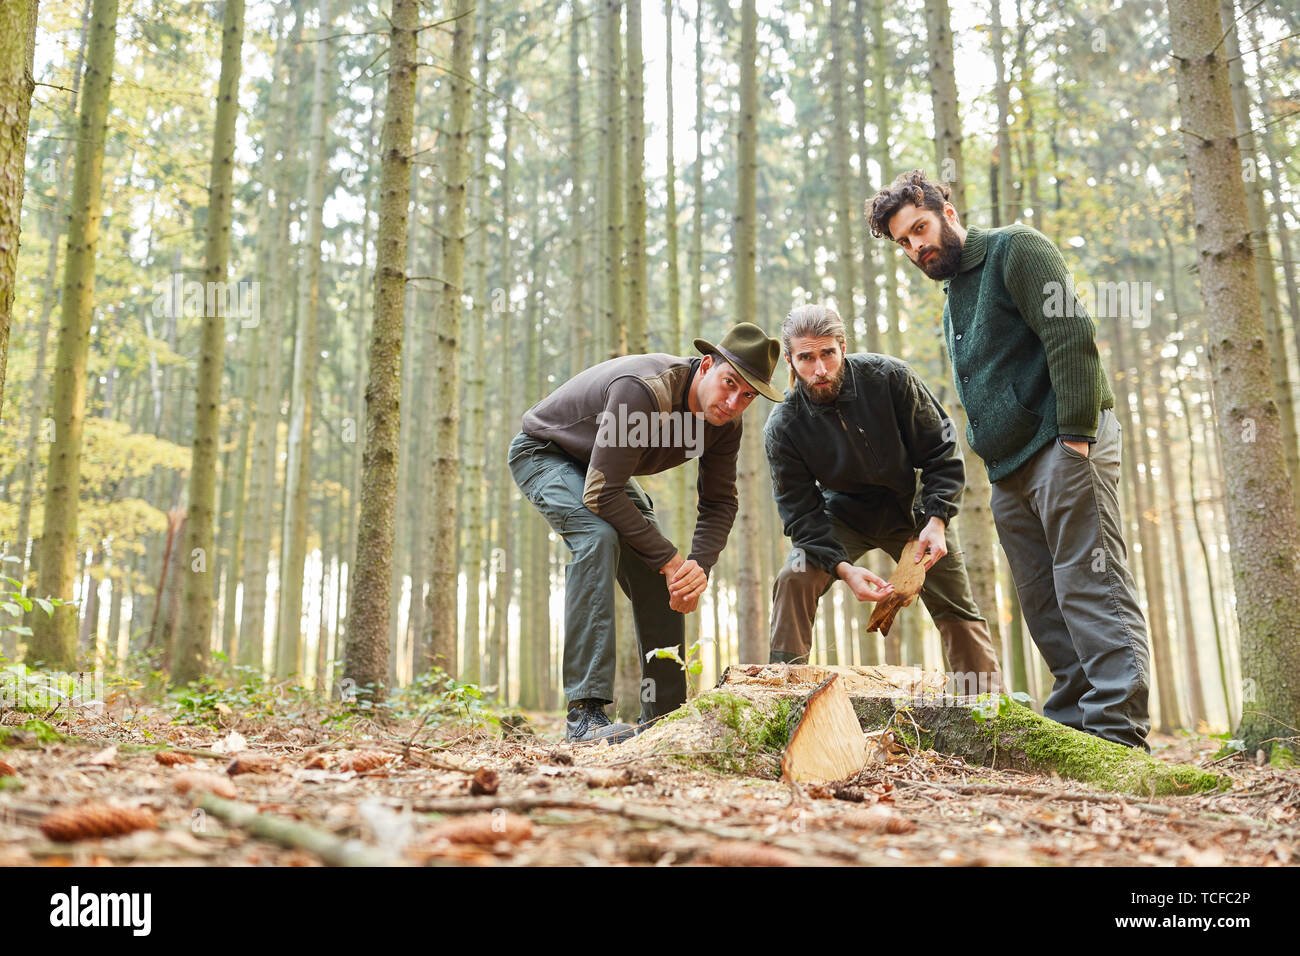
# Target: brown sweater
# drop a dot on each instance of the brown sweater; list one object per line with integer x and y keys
{"x": 629, "y": 416}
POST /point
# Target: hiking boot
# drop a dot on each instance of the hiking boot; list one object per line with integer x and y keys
{"x": 588, "y": 722}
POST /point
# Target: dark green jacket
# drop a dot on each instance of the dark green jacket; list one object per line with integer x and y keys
{"x": 1024, "y": 350}
{"x": 858, "y": 458}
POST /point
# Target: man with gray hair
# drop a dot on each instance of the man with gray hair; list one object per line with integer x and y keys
{"x": 862, "y": 457}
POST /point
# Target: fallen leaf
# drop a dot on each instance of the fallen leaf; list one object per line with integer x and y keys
{"x": 252, "y": 763}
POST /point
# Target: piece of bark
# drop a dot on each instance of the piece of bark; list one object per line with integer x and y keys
{"x": 907, "y": 579}
{"x": 252, "y": 763}
{"x": 170, "y": 758}
{"x": 826, "y": 743}
{"x": 485, "y": 782}
{"x": 204, "y": 782}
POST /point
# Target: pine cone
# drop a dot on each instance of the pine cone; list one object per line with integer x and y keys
{"x": 485, "y": 829}
{"x": 7, "y": 770}
{"x": 252, "y": 763}
{"x": 95, "y": 820}
{"x": 363, "y": 761}
{"x": 170, "y": 758}
{"x": 745, "y": 854}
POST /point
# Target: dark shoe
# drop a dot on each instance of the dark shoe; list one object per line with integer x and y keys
{"x": 588, "y": 722}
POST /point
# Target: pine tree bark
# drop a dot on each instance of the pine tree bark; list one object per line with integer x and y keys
{"x": 476, "y": 355}
{"x": 638, "y": 340}
{"x": 267, "y": 366}
{"x": 749, "y": 598}
{"x": 976, "y": 519}
{"x": 306, "y": 352}
{"x": 446, "y": 456}
{"x": 54, "y": 639}
{"x": 17, "y": 43}
{"x": 366, "y": 656}
{"x": 943, "y": 93}
{"x": 616, "y": 321}
{"x": 191, "y": 659}
{"x": 839, "y": 118}
{"x": 1265, "y": 275}
{"x": 1265, "y": 542}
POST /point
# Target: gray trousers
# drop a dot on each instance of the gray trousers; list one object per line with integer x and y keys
{"x": 1059, "y": 523}
{"x": 553, "y": 482}
{"x": 946, "y": 595}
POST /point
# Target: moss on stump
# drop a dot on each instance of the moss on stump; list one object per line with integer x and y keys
{"x": 1017, "y": 738}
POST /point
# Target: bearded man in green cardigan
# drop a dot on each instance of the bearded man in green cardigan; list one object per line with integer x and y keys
{"x": 1026, "y": 367}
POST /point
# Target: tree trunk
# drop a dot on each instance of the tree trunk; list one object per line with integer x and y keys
{"x": 446, "y": 455}
{"x": 366, "y": 658}
{"x": 616, "y": 322}
{"x": 943, "y": 93}
{"x": 839, "y": 119}
{"x": 54, "y": 639}
{"x": 1265, "y": 542}
{"x": 976, "y": 519}
{"x": 17, "y": 43}
{"x": 266, "y": 369}
{"x": 191, "y": 658}
{"x": 750, "y": 597}
{"x": 1265, "y": 276}
{"x": 288, "y": 653}
{"x": 638, "y": 340}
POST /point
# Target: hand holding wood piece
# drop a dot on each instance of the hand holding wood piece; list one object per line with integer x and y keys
{"x": 907, "y": 579}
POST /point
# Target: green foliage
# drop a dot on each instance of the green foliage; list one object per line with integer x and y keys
{"x": 247, "y": 693}
{"x": 439, "y": 699}
{"x": 15, "y": 603}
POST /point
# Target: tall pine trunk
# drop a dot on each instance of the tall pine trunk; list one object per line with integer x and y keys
{"x": 306, "y": 352}
{"x": 1265, "y": 542}
{"x": 976, "y": 520}
{"x": 192, "y": 642}
{"x": 366, "y": 656}
{"x": 446, "y": 455}
{"x": 17, "y": 44}
{"x": 749, "y": 600}
{"x": 54, "y": 639}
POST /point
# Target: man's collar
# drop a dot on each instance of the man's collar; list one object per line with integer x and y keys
{"x": 690, "y": 379}
{"x": 972, "y": 250}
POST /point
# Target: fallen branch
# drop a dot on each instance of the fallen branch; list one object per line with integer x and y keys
{"x": 295, "y": 835}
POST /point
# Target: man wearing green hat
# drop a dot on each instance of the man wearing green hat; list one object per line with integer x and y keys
{"x": 576, "y": 459}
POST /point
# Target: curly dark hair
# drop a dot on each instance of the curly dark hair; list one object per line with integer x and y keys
{"x": 915, "y": 188}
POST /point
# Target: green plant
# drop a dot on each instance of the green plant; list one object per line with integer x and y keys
{"x": 989, "y": 706}
{"x": 17, "y": 604}
{"x": 693, "y": 663}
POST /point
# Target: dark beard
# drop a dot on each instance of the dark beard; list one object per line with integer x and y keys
{"x": 944, "y": 265}
{"x": 825, "y": 396}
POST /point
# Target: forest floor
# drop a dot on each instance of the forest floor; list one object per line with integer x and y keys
{"x": 408, "y": 800}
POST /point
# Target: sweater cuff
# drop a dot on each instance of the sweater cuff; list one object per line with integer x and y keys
{"x": 1077, "y": 431}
